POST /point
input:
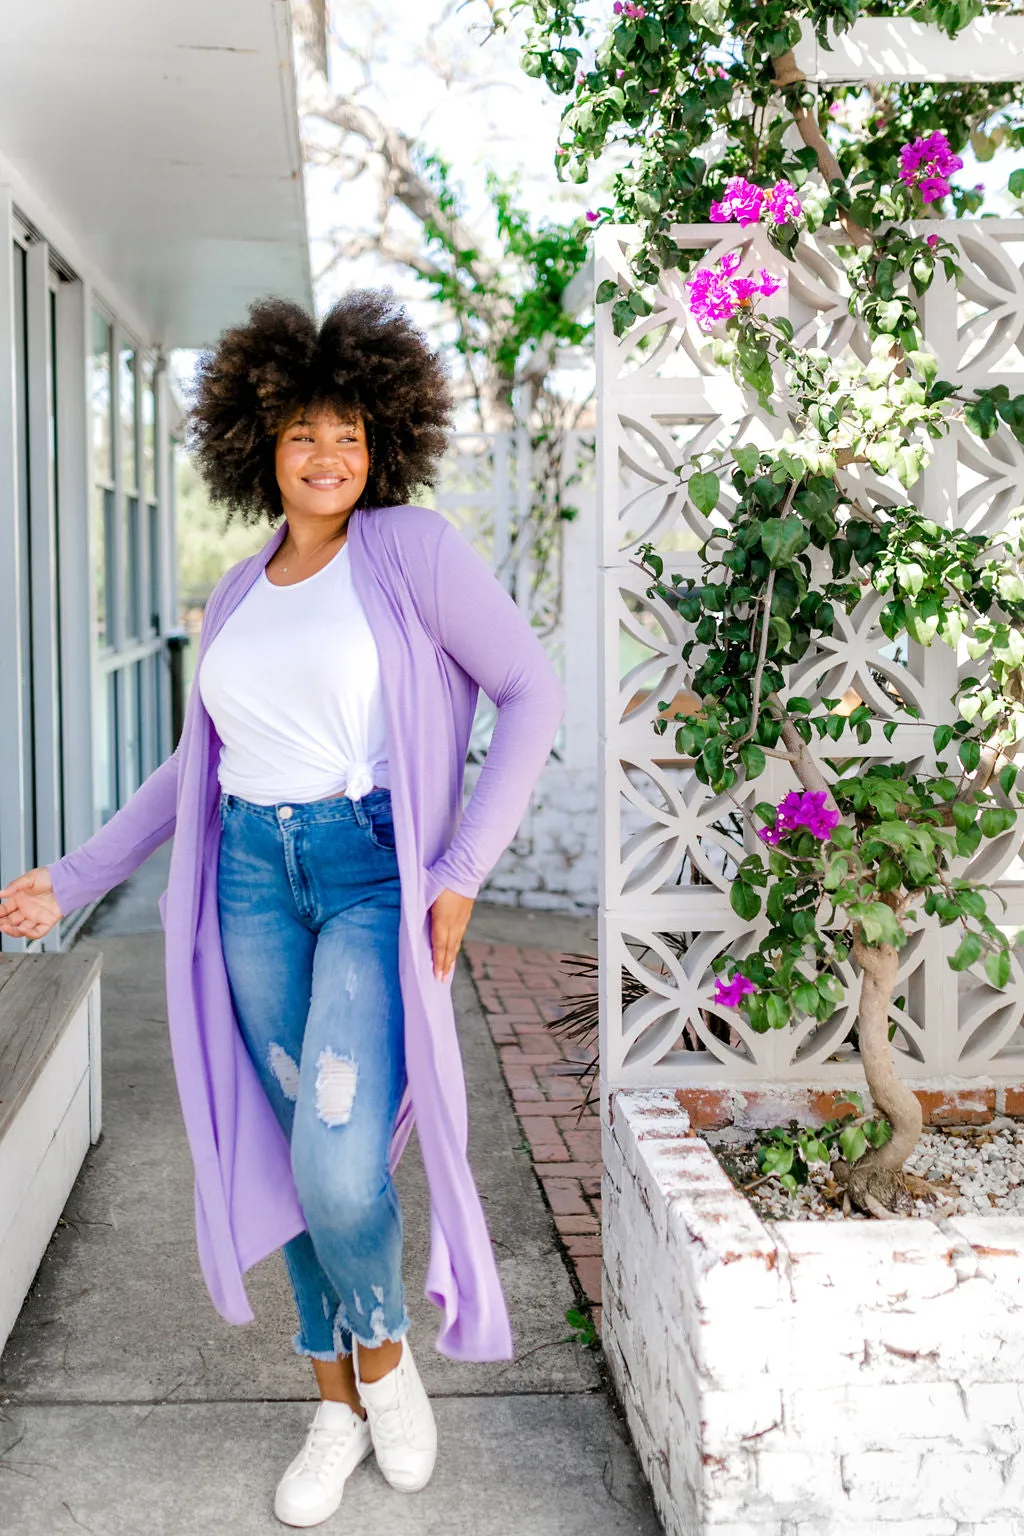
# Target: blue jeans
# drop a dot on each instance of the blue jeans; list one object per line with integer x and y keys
{"x": 309, "y": 899}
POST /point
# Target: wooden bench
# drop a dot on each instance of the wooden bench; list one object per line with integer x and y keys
{"x": 49, "y": 1105}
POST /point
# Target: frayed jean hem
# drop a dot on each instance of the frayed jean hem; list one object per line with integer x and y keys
{"x": 303, "y": 1349}
{"x": 382, "y": 1335}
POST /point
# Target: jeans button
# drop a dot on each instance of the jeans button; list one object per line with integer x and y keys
{"x": 285, "y": 812}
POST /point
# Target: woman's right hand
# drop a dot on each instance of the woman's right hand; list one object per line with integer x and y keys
{"x": 29, "y": 908}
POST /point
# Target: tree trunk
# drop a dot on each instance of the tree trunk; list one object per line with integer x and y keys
{"x": 874, "y": 1181}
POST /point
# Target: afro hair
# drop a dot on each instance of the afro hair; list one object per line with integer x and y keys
{"x": 365, "y": 357}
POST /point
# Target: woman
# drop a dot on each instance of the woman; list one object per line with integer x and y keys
{"x": 323, "y": 872}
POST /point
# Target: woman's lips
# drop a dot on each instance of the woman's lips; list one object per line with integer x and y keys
{"x": 324, "y": 482}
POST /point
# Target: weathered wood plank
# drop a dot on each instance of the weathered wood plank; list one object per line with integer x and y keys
{"x": 42, "y": 1202}
{"x": 38, "y": 997}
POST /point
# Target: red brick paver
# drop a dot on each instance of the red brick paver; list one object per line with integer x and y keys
{"x": 519, "y": 989}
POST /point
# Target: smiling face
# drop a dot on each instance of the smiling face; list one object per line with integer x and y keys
{"x": 322, "y": 462}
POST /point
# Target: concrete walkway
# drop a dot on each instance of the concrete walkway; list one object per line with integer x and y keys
{"x": 127, "y": 1406}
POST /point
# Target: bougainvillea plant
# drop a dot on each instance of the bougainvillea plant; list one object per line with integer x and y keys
{"x": 721, "y": 127}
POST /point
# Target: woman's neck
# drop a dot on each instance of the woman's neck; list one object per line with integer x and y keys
{"x": 305, "y": 539}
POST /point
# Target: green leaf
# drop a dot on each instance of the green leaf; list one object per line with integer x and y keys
{"x": 704, "y": 491}
{"x": 606, "y": 291}
{"x": 889, "y": 875}
{"x": 804, "y": 997}
{"x": 744, "y": 900}
{"x": 967, "y": 952}
{"x": 996, "y": 819}
{"x": 753, "y": 760}
{"x": 778, "y": 1012}
{"x": 970, "y": 755}
{"x": 852, "y": 1143}
{"x": 964, "y": 815}
{"x": 748, "y": 459}
{"x": 878, "y": 923}
{"x": 782, "y": 538}
{"x": 997, "y": 967}
{"x": 981, "y": 417}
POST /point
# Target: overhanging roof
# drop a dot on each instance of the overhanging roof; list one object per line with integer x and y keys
{"x": 164, "y": 133}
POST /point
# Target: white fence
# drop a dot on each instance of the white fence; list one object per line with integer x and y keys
{"x": 668, "y": 847}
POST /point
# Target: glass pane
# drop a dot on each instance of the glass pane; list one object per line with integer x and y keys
{"x": 102, "y": 399}
{"x": 132, "y": 739}
{"x": 52, "y": 443}
{"x": 25, "y": 531}
{"x": 127, "y": 399}
{"x": 105, "y": 737}
{"x": 149, "y": 428}
{"x": 106, "y": 587}
{"x": 133, "y": 608}
{"x": 154, "y": 568}
{"x": 156, "y": 722}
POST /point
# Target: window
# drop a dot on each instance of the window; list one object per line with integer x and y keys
{"x": 129, "y": 729}
{"x": 102, "y": 403}
{"x": 128, "y": 413}
{"x": 106, "y": 738}
{"x": 150, "y": 426}
{"x": 24, "y": 513}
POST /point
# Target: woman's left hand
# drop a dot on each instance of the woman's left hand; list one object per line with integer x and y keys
{"x": 449, "y": 919}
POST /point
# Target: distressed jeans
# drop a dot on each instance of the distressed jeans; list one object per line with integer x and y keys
{"x": 308, "y": 897}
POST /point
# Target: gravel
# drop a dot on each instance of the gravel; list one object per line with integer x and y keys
{"x": 975, "y": 1170}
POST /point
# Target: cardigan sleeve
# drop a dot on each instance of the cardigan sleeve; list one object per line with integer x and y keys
{"x": 123, "y": 843}
{"x": 481, "y": 628}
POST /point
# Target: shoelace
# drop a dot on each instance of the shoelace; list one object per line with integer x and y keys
{"x": 389, "y": 1426}
{"x": 323, "y": 1447}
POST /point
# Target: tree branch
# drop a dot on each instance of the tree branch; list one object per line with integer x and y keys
{"x": 788, "y": 76}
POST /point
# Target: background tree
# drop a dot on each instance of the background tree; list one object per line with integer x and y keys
{"x": 497, "y": 279}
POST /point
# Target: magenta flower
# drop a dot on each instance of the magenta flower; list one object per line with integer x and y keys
{"x": 782, "y": 204}
{"x": 927, "y": 164}
{"x": 932, "y": 188}
{"x": 806, "y": 809}
{"x": 728, "y": 993}
{"x": 592, "y": 217}
{"x": 716, "y": 293}
{"x": 745, "y": 202}
{"x": 711, "y": 298}
{"x": 931, "y": 240}
{"x": 628, "y": 9}
{"x": 741, "y": 203}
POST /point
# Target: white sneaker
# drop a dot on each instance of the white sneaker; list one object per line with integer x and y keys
{"x": 401, "y": 1423}
{"x": 311, "y": 1488}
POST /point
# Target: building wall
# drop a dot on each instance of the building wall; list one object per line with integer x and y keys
{"x": 86, "y": 546}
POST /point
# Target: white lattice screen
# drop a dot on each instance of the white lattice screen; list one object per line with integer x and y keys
{"x": 668, "y": 848}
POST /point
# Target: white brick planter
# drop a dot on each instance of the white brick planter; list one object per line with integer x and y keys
{"x": 804, "y": 1378}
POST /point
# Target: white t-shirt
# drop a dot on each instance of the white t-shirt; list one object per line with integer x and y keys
{"x": 292, "y": 684}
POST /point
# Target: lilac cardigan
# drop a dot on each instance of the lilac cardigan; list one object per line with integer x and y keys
{"x": 444, "y": 628}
